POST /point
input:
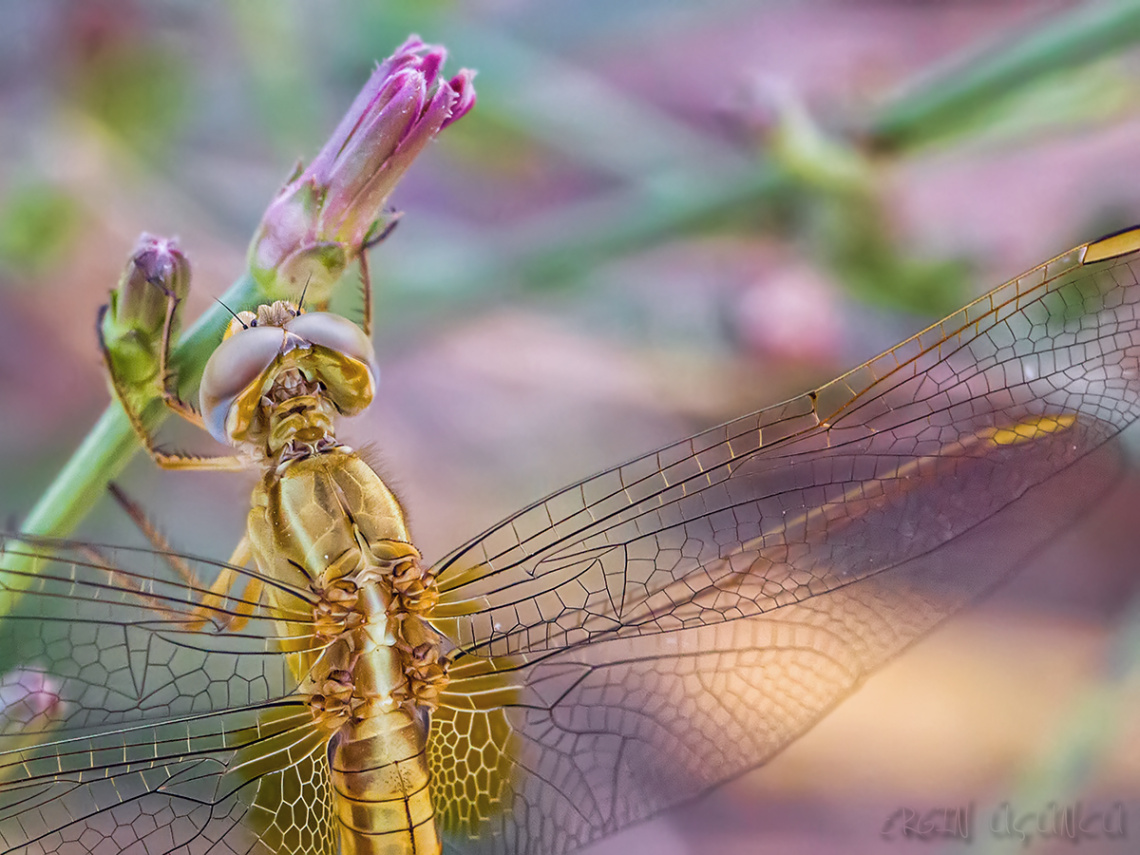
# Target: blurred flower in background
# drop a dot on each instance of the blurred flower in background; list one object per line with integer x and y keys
{"x": 625, "y": 243}
{"x": 29, "y": 700}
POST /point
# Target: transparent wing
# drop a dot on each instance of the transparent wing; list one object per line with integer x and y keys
{"x": 646, "y": 633}
{"x": 142, "y": 715}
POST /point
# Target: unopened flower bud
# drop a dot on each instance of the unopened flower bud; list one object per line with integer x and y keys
{"x": 133, "y": 321}
{"x": 325, "y": 213}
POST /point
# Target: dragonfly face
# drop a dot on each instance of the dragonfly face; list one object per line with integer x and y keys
{"x": 614, "y": 649}
{"x": 315, "y": 349}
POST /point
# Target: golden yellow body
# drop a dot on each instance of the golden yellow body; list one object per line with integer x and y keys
{"x": 327, "y": 522}
{"x": 325, "y": 529}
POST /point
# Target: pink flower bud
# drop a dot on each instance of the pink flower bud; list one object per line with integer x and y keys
{"x": 156, "y": 270}
{"x": 325, "y": 213}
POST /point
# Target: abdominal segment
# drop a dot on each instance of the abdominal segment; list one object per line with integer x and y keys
{"x": 364, "y": 660}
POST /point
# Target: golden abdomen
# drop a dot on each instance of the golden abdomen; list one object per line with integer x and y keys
{"x": 329, "y": 524}
{"x": 380, "y": 781}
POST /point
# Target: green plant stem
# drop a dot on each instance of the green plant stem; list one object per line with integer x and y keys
{"x": 107, "y": 449}
{"x": 554, "y": 249}
{"x": 976, "y": 80}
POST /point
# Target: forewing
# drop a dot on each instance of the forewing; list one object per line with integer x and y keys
{"x": 138, "y": 717}
{"x": 659, "y": 627}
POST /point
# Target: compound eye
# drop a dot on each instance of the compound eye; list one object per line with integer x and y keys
{"x": 342, "y": 359}
{"x": 238, "y": 362}
{"x": 338, "y": 334}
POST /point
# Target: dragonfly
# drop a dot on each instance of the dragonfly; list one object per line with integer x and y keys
{"x": 616, "y": 648}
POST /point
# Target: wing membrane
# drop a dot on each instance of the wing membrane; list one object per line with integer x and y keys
{"x": 141, "y": 717}
{"x": 676, "y": 620}
{"x": 808, "y": 493}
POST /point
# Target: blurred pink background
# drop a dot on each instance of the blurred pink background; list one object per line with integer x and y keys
{"x": 501, "y": 384}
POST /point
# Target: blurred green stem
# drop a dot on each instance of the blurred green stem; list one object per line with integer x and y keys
{"x": 974, "y": 81}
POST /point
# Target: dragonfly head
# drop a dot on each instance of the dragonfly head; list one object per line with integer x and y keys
{"x": 273, "y": 346}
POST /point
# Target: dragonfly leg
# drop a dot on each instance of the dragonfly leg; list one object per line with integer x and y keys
{"x": 169, "y": 396}
{"x": 365, "y": 273}
{"x": 366, "y": 284}
{"x": 214, "y": 599}
{"x": 241, "y": 608}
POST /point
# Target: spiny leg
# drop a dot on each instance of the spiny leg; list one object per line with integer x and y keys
{"x": 170, "y": 395}
{"x": 167, "y": 393}
{"x": 213, "y": 598}
{"x": 365, "y": 273}
{"x": 366, "y": 282}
